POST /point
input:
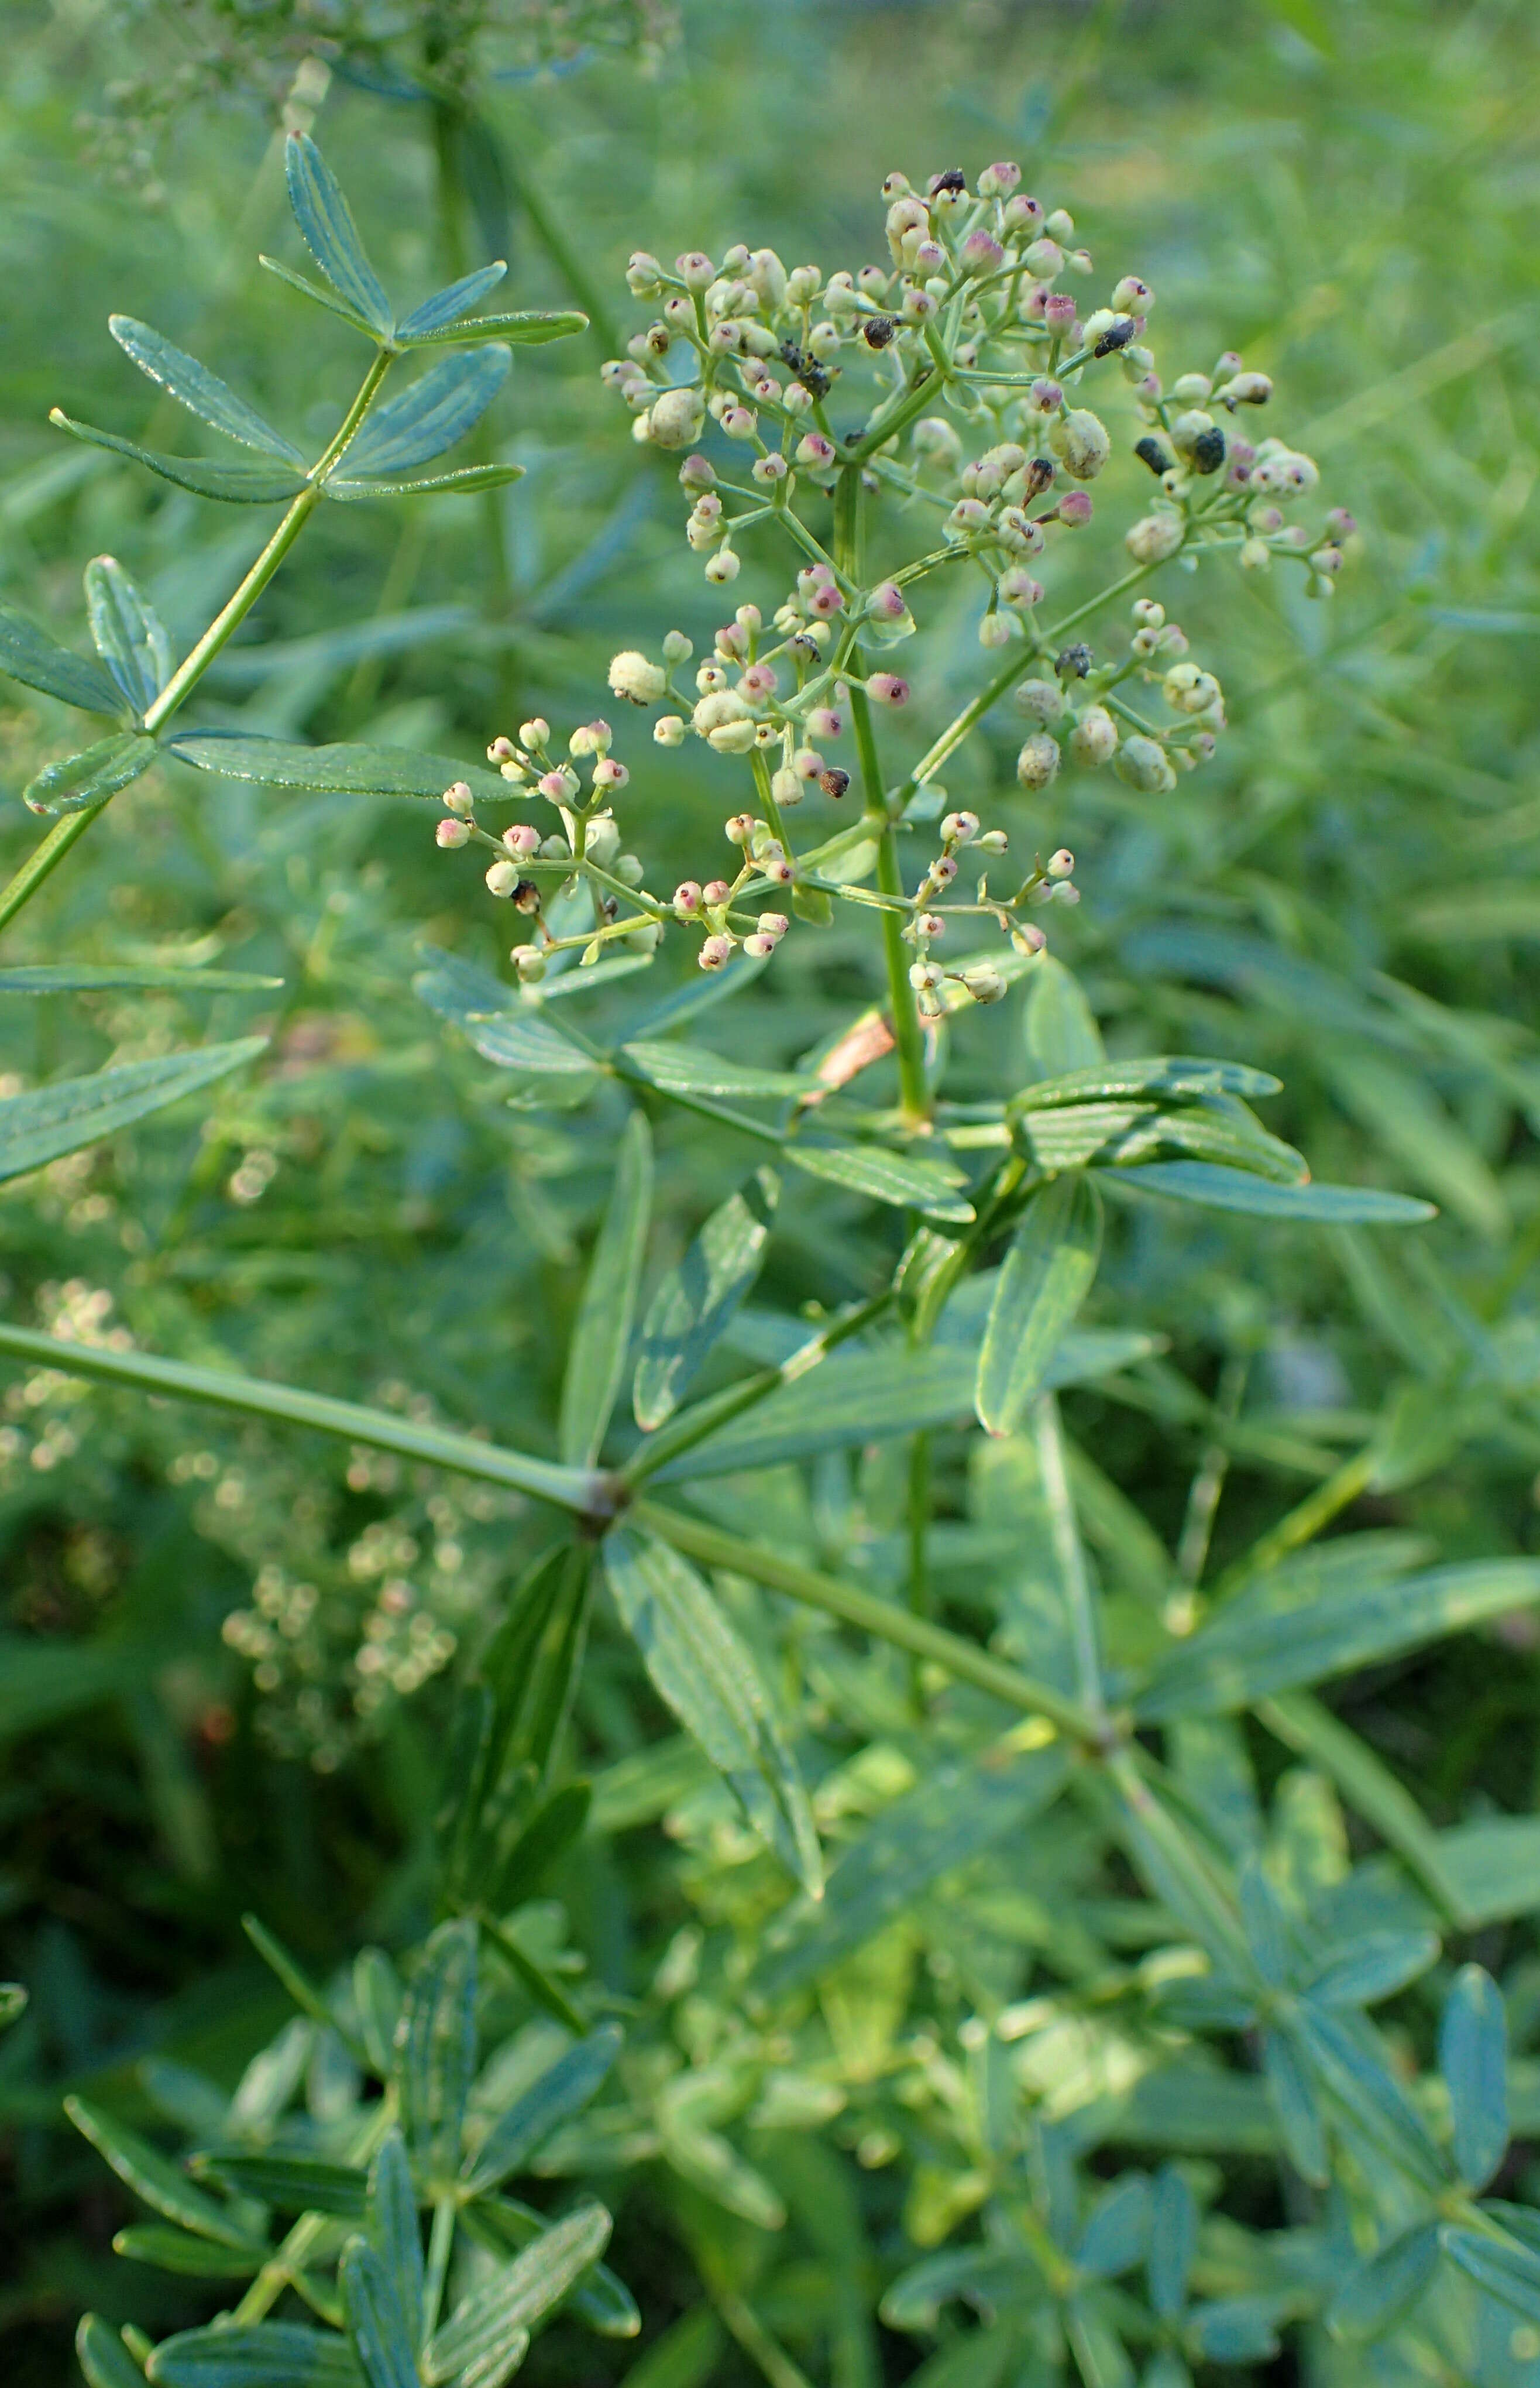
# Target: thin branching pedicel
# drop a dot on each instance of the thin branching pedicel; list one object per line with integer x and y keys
{"x": 971, "y": 364}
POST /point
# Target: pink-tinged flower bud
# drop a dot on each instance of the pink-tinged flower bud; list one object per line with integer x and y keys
{"x": 1045, "y": 258}
{"x": 740, "y": 422}
{"x": 1060, "y": 865}
{"x": 822, "y": 722}
{"x": 739, "y": 829}
{"x": 502, "y": 879}
{"x": 556, "y": 786}
{"x": 722, "y": 567}
{"x": 759, "y": 948}
{"x": 749, "y": 617}
{"x": 777, "y": 868}
{"x": 643, "y": 274}
{"x": 1153, "y": 537}
{"x": 943, "y": 870}
{"x": 981, "y": 252}
{"x": 825, "y": 601}
{"x": 1064, "y": 893}
{"x": 960, "y": 829}
{"x": 1022, "y": 211}
{"x": 1059, "y": 311}
{"x": 459, "y": 799}
{"x": 522, "y": 838}
{"x": 967, "y": 515}
{"x": 758, "y": 682}
{"x": 930, "y": 258}
{"x": 1029, "y": 938}
{"x": 930, "y": 925}
{"x": 886, "y": 602}
{"x": 886, "y": 688}
{"x": 796, "y": 398}
{"x": 1076, "y": 508}
{"x": 773, "y": 924}
{"x": 502, "y": 750}
{"x": 687, "y": 898}
{"x": 997, "y": 182}
{"x": 716, "y": 891}
{"x": 993, "y": 841}
{"x": 768, "y": 470}
{"x": 918, "y": 307}
{"x": 1037, "y": 761}
{"x": 807, "y": 764}
{"x": 697, "y": 473}
{"x": 715, "y": 952}
{"x": 731, "y": 643}
{"x": 1044, "y": 398}
{"x": 814, "y": 449}
{"x": 1019, "y": 587}
{"x": 1134, "y": 297}
{"x": 610, "y": 774}
{"x": 452, "y": 832}
{"x": 896, "y": 187}
{"x": 592, "y": 738}
{"x": 1340, "y": 522}
{"x": 695, "y": 270}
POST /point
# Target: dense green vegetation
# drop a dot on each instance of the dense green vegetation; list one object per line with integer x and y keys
{"x": 1166, "y": 1762}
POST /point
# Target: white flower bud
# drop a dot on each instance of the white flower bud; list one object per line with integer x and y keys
{"x": 502, "y": 879}
{"x": 773, "y": 924}
{"x": 722, "y": 566}
{"x": 534, "y": 734}
{"x": 676, "y": 417}
{"x": 733, "y": 737}
{"x": 993, "y": 841}
{"x": 759, "y": 947}
{"x": 530, "y": 963}
{"x": 452, "y": 832}
{"x": 1040, "y": 700}
{"x": 1192, "y": 389}
{"x": 1132, "y": 297}
{"x": 629, "y": 869}
{"x": 601, "y": 840}
{"x": 668, "y": 730}
{"x": 1061, "y": 864}
{"x": 984, "y": 984}
{"x": 994, "y": 630}
{"x": 721, "y": 705}
{"x": 926, "y": 976}
{"x": 635, "y": 678}
{"x": 715, "y": 952}
{"x": 1093, "y": 739}
{"x": 1038, "y": 760}
{"x": 1153, "y": 537}
{"x": 1141, "y": 763}
{"x": 522, "y": 838}
{"x": 960, "y": 829}
{"x": 1188, "y": 690}
{"x": 786, "y": 787}
{"x": 1080, "y": 440}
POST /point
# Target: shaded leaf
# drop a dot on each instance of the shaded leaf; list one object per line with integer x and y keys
{"x": 40, "y": 1125}
{"x": 1235, "y": 1189}
{"x": 486, "y": 2324}
{"x": 344, "y": 770}
{"x": 294, "y": 2184}
{"x": 1374, "y": 2299}
{"x": 130, "y": 638}
{"x": 1173, "y": 2241}
{"x": 436, "y": 2049}
{"x": 199, "y": 390}
{"x": 326, "y": 222}
{"x": 1374, "y": 1966}
{"x": 259, "y": 2354}
{"x": 447, "y": 401}
{"x": 154, "y": 2177}
{"x": 601, "y": 1335}
{"x": 562, "y": 2090}
{"x": 698, "y": 1297}
{"x": 1472, "y": 2056}
{"x": 376, "y": 2320}
{"x": 1046, "y": 1275}
{"x": 1508, "y": 2272}
{"x": 103, "y": 2357}
{"x": 29, "y": 655}
{"x": 692, "y": 1070}
{"x": 77, "y": 978}
{"x": 448, "y": 305}
{"x": 238, "y": 484}
{"x": 1161, "y": 1074}
{"x": 1061, "y": 1035}
{"x": 177, "y": 2251}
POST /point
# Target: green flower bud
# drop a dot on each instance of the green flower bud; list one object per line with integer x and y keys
{"x": 1142, "y": 764}
{"x": 1080, "y": 442}
{"x": 1037, "y": 761}
{"x": 1093, "y": 740}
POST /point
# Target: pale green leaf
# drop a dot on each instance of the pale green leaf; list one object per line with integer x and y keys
{"x": 469, "y": 481}
{"x": 524, "y": 2293}
{"x": 199, "y": 390}
{"x": 562, "y": 2090}
{"x": 236, "y": 484}
{"x": 1233, "y": 1189}
{"x": 376, "y": 2318}
{"x": 602, "y": 1337}
{"x": 130, "y": 638}
{"x": 1061, "y": 1035}
{"x": 77, "y": 781}
{"x": 448, "y": 305}
{"x": 342, "y": 770}
{"x": 525, "y": 327}
{"x": 1045, "y": 1278}
{"x": 894, "y": 1177}
{"x": 698, "y": 1297}
{"x": 448, "y": 400}
{"x": 1472, "y": 2056}
{"x": 47, "y": 1120}
{"x": 1162, "y": 1074}
{"x": 88, "y": 978}
{"x": 692, "y": 1070}
{"x": 436, "y": 2049}
{"x": 29, "y": 655}
{"x": 1374, "y": 2299}
{"x": 326, "y": 221}
{"x": 258, "y": 2354}
{"x": 154, "y": 2177}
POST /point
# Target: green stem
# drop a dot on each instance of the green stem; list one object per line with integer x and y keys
{"x": 578, "y": 1489}
{"x": 963, "y": 1660}
{"x": 42, "y": 860}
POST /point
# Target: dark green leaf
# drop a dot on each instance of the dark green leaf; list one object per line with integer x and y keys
{"x": 1472, "y": 2055}
{"x": 547, "y": 1838}
{"x": 235, "y": 484}
{"x": 89, "y": 778}
{"x": 81, "y": 978}
{"x": 692, "y": 1070}
{"x": 154, "y": 2177}
{"x": 1234, "y": 1189}
{"x": 564, "y": 2090}
{"x": 29, "y": 655}
{"x": 344, "y": 770}
{"x": 260, "y": 2354}
{"x": 1506, "y": 2271}
{"x": 601, "y": 1335}
{"x": 177, "y": 2251}
{"x": 103, "y": 2357}
{"x": 448, "y": 400}
{"x": 294, "y": 2184}
{"x": 1117, "y": 2235}
{"x": 377, "y": 2001}
{"x": 1168, "y": 1075}
{"x": 39, "y": 1125}
{"x": 446, "y": 305}
{"x": 1373, "y": 1966}
{"x": 1293, "y": 2099}
{"x": 698, "y": 1297}
{"x": 326, "y": 222}
{"x": 895, "y": 1178}
{"x": 1061, "y": 1035}
{"x": 130, "y": 638}
{"x": 466, "y": 483}
{"x": 1377, "y": 2297}
{"x": 199, "y": 390}
{"x": 1348, "y": 2067}
{"x": 381, "y": 2340}
{"x": 1046, "y": 1275}
{"x": 435, "y": 2045}
{"x": 316, "y": 291}
{"x": 485, "y": 2325}
{"x": 1173, "y": 2241}
{"x": 529, "y": 328}
{"x": 1236, "y": 2329}
{"x": 701, "y": 1670}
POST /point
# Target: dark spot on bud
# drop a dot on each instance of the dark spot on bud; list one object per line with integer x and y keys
{"x": 1039, "y": 476}
{"x": 815, "y": 378}
{"x": 1208, "y": 450}
{"x": 611, "y": 909}
{"x": 953, "y": 180}
{"x": 805, "y": 649}
{"x": 834, "y": 782}
{"x": 1074, "y": 663}
{"x": 880, "y": 330}
{"x": 1151, "y": 453}
{"x": 527, "y": 896}
{"x": 1117, "y": 337}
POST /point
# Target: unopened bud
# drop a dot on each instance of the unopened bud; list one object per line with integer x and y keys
{"x": 668, "y": 730}
{"x": 715, "y": 952}
{"x": 502, "y": 879}
{"x": 886, "y": 688}
{"x": 1037, "y": 761}
{"x": 960, "y": 829}
{"x": 634, "y": 676}
{"x": 522, "y": 838}
{"x": 452, "y": 832}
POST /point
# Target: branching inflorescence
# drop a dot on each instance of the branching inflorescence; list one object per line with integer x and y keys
{"x": 974, "y": 363}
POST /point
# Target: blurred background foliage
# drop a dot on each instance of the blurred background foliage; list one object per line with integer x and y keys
{"x": 1346, "y": 191}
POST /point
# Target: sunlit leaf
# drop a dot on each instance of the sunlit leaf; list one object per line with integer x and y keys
{"x": 1046, "y": 1275}
{"x": 602, "y": 1334}
{"x": 199, "y": 390}
{"x": 37, "y": 1126}
{"x": 440, "y": 408}
{"x": 29, "y": 655}
{"x": 236, "y": 484}
{"x": 326, "y": 221}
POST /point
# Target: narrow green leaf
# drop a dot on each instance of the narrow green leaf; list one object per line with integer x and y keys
{"x": 341, "y": 770}
{"x": 382, "y": 2341}
{"x": 448, "y": 305}
{"x": 177, "y": 2251}
{"x": 130, "y": 638}
{"x": 562, "y": 2090}
{"x": 700, "y": 1295}
{"x": 326, "y": 223}
{"x": 103, "y": 2357}
{"x": 1305, "y": 1725}
{"x": 1374, "y": 1966}
{"x": 1505, "y": 2270}
{"x": 294, "y": 2184}
{"x": 550, "y": 1832}
{"x": 154, "y": 2177}
{"x": 701, "y": 1670}
{"x": 1293, "y": 2102}
{"x": 1345, "y": 2061}
{"x": 1472, "y": 2056}
{"x": 448, "y": 400}
{"x": 465, "y": 483}
{"x": 377, "y": 1999}
{"x": 1117, "y": 2235}
{"x": 435, "y": 2048}
{"x": 961, "y": 1808}
{"x": 1375, "y": 2300}
{"x": 40, "y": 1125}
{"x": 1046, "y": 1275}
{"x": 199, "y": 390}
{"x": 528, "y": 327}
{"x": 77, "y": 781}
{"x": 238, "y": 484}
{"x": 600, "y": 2301}
{"x": 1061, "y": 1035}
{"x": 1173, "y": 2241}
{"x": 322, "y": 296}
{"x": 692, "y": 1070}
{"x": 259, "y": 2354}
{"x": 29, "y": 655}
{"x": 297, "y": 1983}
{"x": 1162, "y": 1074}
{"x": 88, "y": 978}
{"x": 484, "y": 2324}
{"x": 1238, "y": 2329}
{"x": 1234, "y": 1189}
{"x": 885, "y": 1176}
{"x": 545, "y": 1993}
{"x": 1271, "y": 1637}
{"x": 602, "y": 1337}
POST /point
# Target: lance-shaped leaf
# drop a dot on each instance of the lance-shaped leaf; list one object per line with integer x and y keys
{"x": 482, "y": 2330}
{"x": 78, "y": 782}
{"x": 596, "y": 1357}
{"x": 446, "y": 305}
{"x": 1505, "y": 2270}
{"x": 155, "y": 2178}
{"x": 1472, "y": 2056}
{"x": 79, "y": 978}
{"x": 29, "y": 655}
{"x": 698, "y": 1297}
{"x": 256, "y": 2354}
{"x": 103, "y": 2357}
{"x": 1161, "y": 1074}
{"x": 448, "y": 400}
{"x": 340, "y": 770}
{"x": 319, "y": 294}
{"x": 1382, "y": 2292}
{"x": 465, "y": 483}
{"x": 1294, "y": 2104}
{"x": 1062, "y": 1033}
{"x": 1276, "y": 1634}
{"x": 1235, "y": 1189}
{"x": 436, "y": 2047}
{"x": 295, "y": 2184}
{"x": 1046, "y": 1275}
{"x": 692, "y": 1070}
{"x": 895, "y": 1178}
{"x": 40, "y": 1125}
{"x": 702, "y": 1671}
{"x": 526, "y": 327}
{"x": 393, "y": 2229}
{"x": 562, "y": 2090}
{"x": 1373, "y": 1966}
{"x": 325, "y": 222}
{"x": 484, "y": 1013}
{"x": 177, "y": 2251}
{"x": 1344, "y": 2060}
{"x": 200, "y": 391}
{"x": 376, "y": 2320}
{"x": 130, "y": 638}
{"x": 1173, "y": 2241}
{"x": 238, "y": 484}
